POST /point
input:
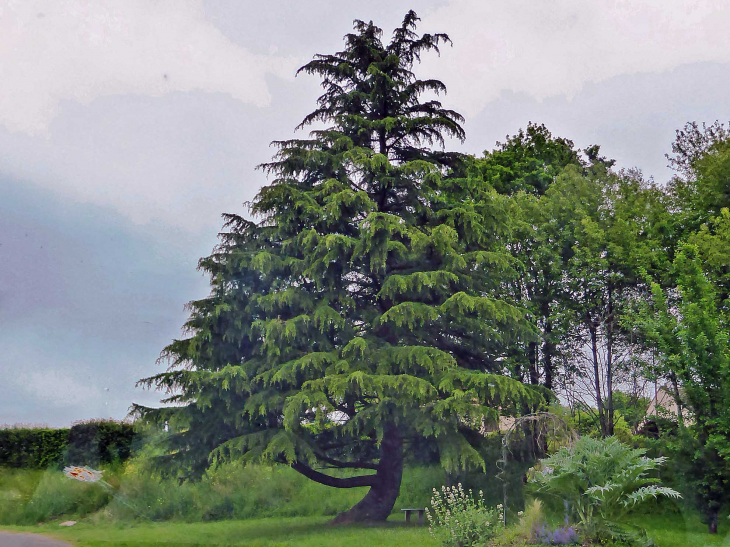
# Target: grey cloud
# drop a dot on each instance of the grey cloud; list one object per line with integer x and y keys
{"x": 124, "y": 195}
{"x": 548, "y": 49}
{"x": 300, "y": 29}
{"x": 86, "y": 303}
{"x": 177, "y": 160}
{"x": 82, "y": 50}
{"x": 632, "y": 117}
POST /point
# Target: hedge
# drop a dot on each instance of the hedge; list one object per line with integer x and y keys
{"x": 36, "y": 448}
{"x": 85, "y": 443}
{"x": 92, "y": 443}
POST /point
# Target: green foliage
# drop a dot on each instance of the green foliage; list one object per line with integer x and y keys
{"x": 85, "y": 443}
{"x": 99, "y": 442}
{"x": 689, "y": 326}
{"x": 459, "y": 518}
{"x": 630, "y": 408}
{"x": 520, "y": 534}
{"x": 32, "y": 448}
{"x": 583, "y": 245}
{"x": 613, "y": 247}
{"x": 233, "y": 491}
{"x": 526, "y": 167}
{"x": 600, "y": 481}
{"x": 29, "y": 496}
{"x": 701, "y": 159}
{"x": 529, "y": 161}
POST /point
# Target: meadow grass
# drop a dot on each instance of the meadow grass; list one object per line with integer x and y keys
{"x": 231, "y": 492}
{"x": 32, "y": 496}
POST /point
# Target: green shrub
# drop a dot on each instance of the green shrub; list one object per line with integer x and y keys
{"x": 232, "y": 491}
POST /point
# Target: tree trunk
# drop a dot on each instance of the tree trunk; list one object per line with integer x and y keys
{"x": 677, "y": 399}
{"x": 609, "y": 366}
{"x": 379, "y": 501}
{"x": 597, "y": 379}
{"x": 548, "y": 349}
{"x": 532, "y": 356}
{"x": 713, "y": 517}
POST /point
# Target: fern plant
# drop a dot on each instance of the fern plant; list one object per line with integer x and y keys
{"x": 599, "y": 480}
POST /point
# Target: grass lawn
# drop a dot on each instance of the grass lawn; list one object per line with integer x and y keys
{"x": 683, "y": 530}
{"x": 669, "y": 530}
{"x": 274, "y": 532}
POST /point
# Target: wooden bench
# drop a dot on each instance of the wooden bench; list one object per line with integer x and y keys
{"x": 409, "y": 511}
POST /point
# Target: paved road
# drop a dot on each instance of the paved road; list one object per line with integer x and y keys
{"x": 29, "y": 540}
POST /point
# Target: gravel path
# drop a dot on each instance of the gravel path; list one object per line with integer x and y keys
{"x": 8, "y": 539}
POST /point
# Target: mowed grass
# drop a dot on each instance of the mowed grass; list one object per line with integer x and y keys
{"x": 272, "y": 532}
{"x": 683, "y": 530}
{"x": 667, "y": 530}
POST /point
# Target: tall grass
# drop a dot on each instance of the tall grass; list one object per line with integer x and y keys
{"x": 232, "y": 491}
{"x": 32, "y": 496}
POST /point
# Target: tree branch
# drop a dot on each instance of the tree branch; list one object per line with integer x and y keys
{"x": 351, "y": 465}
{"x": 327, "y": 480}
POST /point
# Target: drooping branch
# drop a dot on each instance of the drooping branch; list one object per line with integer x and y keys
{"x": 336, "y": 482}
{"x": 348, "y": 465}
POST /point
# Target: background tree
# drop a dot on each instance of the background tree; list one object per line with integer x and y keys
{"x": 689, "y": 325}
{"x": 524, "y": 167}
{"x": 603, "y": 219}
{"x": 594, "y": 282}
{"x": 581, "y": 234}
{"x": 361, "y": 311}
{"x": 528, "y": 161}
{"x": 701, "y": 187}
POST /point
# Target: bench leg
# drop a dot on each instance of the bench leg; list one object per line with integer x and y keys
{"x": 420, "y": 517}
{"x": 408, "y": 517}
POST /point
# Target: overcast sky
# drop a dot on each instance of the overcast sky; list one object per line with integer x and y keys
{"x": 127, "y": 128}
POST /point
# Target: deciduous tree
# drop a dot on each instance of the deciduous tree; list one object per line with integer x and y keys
{"x": 689, "y": 326}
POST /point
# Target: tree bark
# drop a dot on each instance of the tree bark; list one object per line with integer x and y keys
{"x": 677, "y": 399}
{"x": 548, "y": 348}
{"x": 713, "y": 517}
{"x": 380, "y": 499}
{"x": 609, "y": 365}
{"x": 335, "y": 482}
{"x": 532, "y": 357}
{"x": 597, "y": 379}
